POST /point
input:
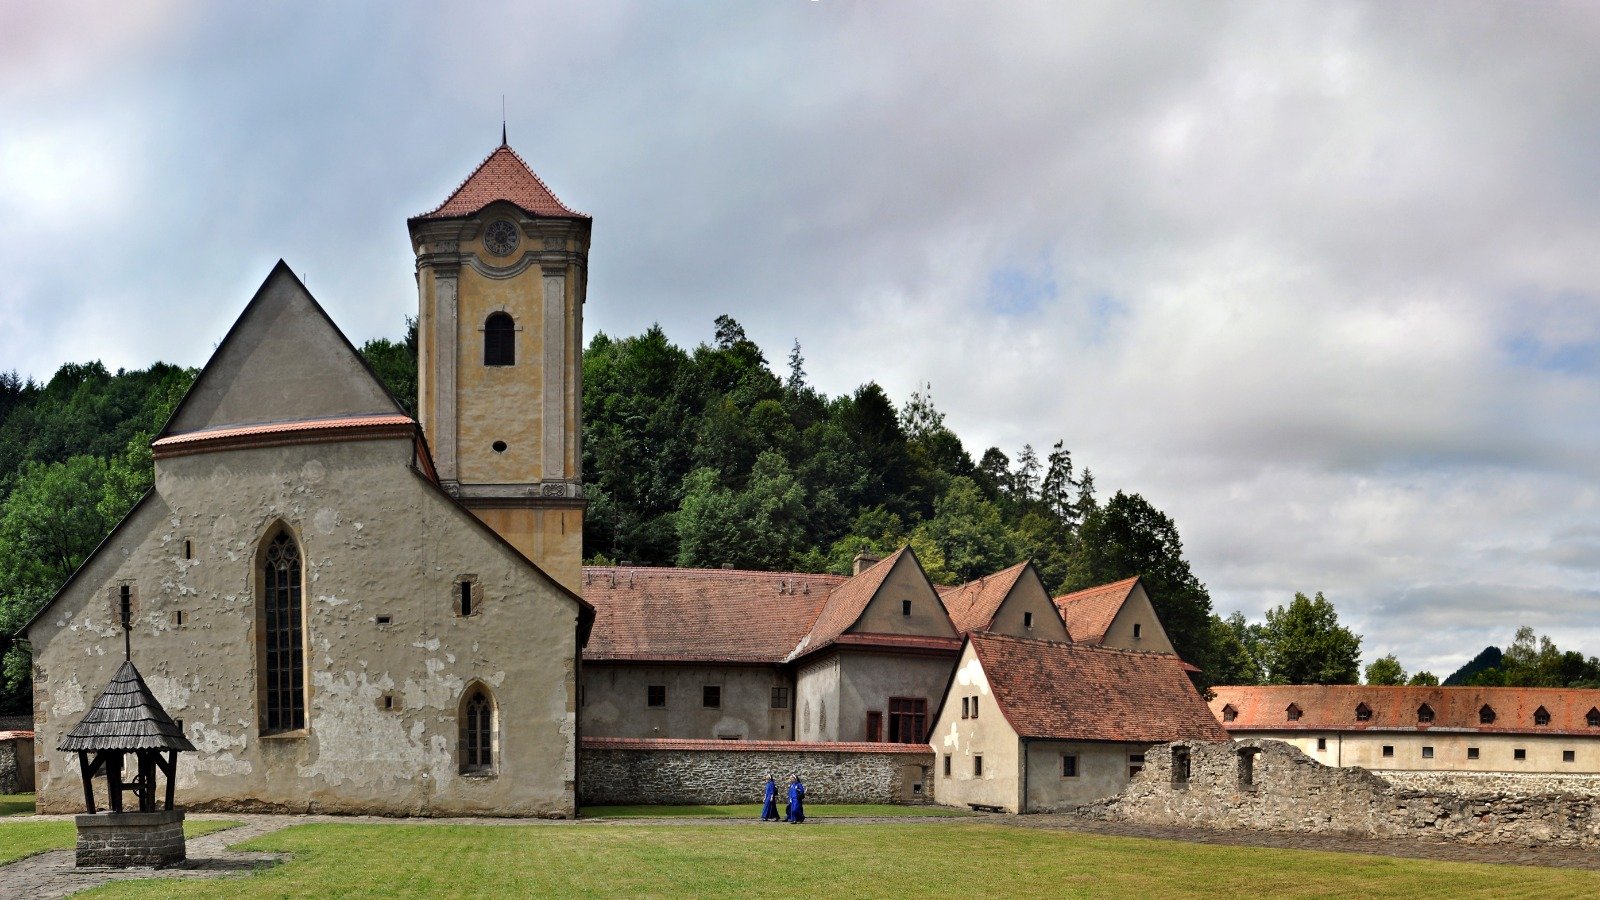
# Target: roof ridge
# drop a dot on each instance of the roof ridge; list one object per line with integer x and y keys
{"x": 1074, "y": 595}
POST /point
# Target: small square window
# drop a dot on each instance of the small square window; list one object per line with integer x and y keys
{"x": 1027, "y": 620}
{"x": 947, "y": 765}
{"x": 1569, "y": 756}
{"x": 1136, "y": 628}
{"x": 711, "y": 696}
{"x": 977, "y": 765}
{"x": 1427, "y": 753}
{"x": 1322, "y": 743}
{"x": 905, "y": 607}
{"x": 1069, "y": 765}
{"x": 780, "y": 698}
{"x": 1519, "y": 754}
{"x": 1388, "y": 751}
{"x": 655, "y": 695}
{"x": 1472, "y": 753}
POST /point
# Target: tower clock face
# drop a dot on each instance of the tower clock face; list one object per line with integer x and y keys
{"x": 500, "y": 238}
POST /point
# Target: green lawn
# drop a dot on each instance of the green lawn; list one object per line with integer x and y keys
{"x": 16, "y": 804}
{"x": 753, "y": 811}
{"x": 21, "y": 838}
{"x": 839, "y": 860}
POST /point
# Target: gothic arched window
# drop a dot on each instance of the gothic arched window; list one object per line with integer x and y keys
{"x": 499, "y": 340}
{"x": 477, "y": 732}
{"x": 282, "y": 654}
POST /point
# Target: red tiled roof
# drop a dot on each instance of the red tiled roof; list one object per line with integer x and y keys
{"x": 897, "y": 641}
{"x": 972, "y": 605}
{"x": 502, "y": 176}
{"x": 275, "y": 433}
{"x": 1089, "y": 612}
{"x": 846, "y": 604}
{"x": 1055, "y": 691}
{"x": 602, "y": 743}
{"x": 700, "y": 615}
{"x": 1333, "y": 708}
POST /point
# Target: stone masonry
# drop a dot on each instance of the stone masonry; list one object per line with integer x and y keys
{"x": 1522, "y": 784}
{"x": 124, "y": 840}
{"x": 1271, "y": 786}
{"x": 9, "y": 783}
{"x": 635, "y": 771}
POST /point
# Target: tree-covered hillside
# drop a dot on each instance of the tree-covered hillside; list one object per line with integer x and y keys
{"x": 693, "y": 457}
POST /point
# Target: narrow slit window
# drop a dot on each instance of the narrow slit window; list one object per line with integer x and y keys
{"x": 905, "y": 607}
{"x": 188, "y": 549}
{"x": 966, "y": 707}
{"x": 1180, "y": 765}
{"x": 466, "y": 598}
{"x": 947, "y": 765}
{"x": 977, "y": 766}
{"x": 1137, "y": 628}
{"x": 499, "y": 340}
{"x": 177, "y": 618}
{"x": 1027, "y": 620}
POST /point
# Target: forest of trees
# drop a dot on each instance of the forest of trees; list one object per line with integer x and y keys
{"x": 701, "y": 458}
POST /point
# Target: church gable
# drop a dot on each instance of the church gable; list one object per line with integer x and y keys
{"x": 284, "y": 360}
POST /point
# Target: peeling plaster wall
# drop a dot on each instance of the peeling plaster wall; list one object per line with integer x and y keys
{"x": 817, "y": 700}
{"x": 614, "y": 702}
{"x": 961, "y": 740}
{"x": 375, "y": 539}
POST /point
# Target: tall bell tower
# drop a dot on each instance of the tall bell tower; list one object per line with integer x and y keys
{"x": 501, "y": 270}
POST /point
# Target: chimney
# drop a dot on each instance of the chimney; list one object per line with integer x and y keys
{"x": 863, "y": 561}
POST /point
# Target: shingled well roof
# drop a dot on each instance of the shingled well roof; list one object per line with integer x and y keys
{"x": 1089, "y": 612}
{"x": 1333, "y": 708}
{"x": 126, "y": 716}
{"x": 1073, "y": 692}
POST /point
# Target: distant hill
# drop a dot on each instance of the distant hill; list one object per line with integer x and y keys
{"x": 1490, "y": 658}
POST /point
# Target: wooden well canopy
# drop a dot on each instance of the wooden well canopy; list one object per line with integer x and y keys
{"x": 126, "y": 720}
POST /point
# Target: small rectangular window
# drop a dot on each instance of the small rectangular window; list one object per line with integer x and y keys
{"x": 966, "y": 707}
{"x": 466, "y": 598}
{"x": 1322, "y": 743}
{"x": 711, "y": 696}
{"x": 1569, "y": 756}
{"x": 1027, "y": 620}
{"x": 179, "y": 723}
{"x": 974, "y": 707}
{"x": 385, "y": 620}
{"x": 188, "y": 549}
{"x": 1519, "y": 754}
{"x": 780, "y": 698}
{"x": 947, "y": 765}
{"x": 1069, "y": 765}
{"x": 655, "y": 695}
{"x": 1388, "y": 750}
{"x": 1136, "y": 758}
{"x": 1472, "y": 753}
{"x": 1427, "y": 753}
{"x": 977, "y": 765}
{"x": 177, "y": 618}
{"x": 905, "y": 607}
{"x": 388, "y": 701}
{"x": 1136, "y": 628}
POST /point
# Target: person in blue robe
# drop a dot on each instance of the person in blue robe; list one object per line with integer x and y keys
{"x": 769, "y": 800}
{"x": 797, "y": 800}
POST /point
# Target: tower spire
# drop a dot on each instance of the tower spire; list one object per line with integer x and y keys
{"x": 503, "y": 120}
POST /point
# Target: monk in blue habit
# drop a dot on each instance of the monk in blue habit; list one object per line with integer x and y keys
{"x": 797, "y": 801}
{"x": 769, "y": 801}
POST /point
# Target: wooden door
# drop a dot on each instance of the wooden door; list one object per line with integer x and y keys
{"x": 874, "y": 727}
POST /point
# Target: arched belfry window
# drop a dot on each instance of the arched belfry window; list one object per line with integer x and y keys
{"x": 282, "y": 654}
{"x": 499, "y": 340}
{"x": 478, "y": 731}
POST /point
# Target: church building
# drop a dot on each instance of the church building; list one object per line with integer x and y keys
{"x": 343, "y": 616}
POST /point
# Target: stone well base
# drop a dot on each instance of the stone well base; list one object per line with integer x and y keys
{"x": 127, "y": 839}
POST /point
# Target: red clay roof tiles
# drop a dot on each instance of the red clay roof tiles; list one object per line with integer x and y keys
{"x": 502, "y": 176}
{"x": 1089, "y": 612}
{"x": 972, "y": 605}
{"x": 1333, "y": 707}
{"x": 846, "y": 604}
{"x": 1055, "y": 691}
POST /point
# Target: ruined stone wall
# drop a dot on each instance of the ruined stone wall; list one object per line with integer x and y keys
{"x": 626, "y": 771}
{"x": 1284, "y": 790}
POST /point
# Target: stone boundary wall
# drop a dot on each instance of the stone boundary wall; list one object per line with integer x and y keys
{"x": 1525, "y": 784}
{"x": 16, "y": 723}
{"x": 1285, "y": 790}
{"x": 9, "y": 782}
{"x": 643, "y": 770}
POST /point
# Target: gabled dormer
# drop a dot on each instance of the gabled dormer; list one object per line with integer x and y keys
{"x": 1012, "y": 602}
{"x": 1118, "y": 615}
{"x": 890, "y": 602}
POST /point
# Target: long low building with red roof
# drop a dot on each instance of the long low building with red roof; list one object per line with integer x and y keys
{"x": 1423, "y": 729}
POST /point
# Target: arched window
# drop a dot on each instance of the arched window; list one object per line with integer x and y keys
{"x": 477, "y": 732}
{"x": 499, "y": 340}
{"x": 1424, "y": 713}
{"x": 1486, "y": 715}
{"x": 282, "y": 653}
{"x": 1363, "y": 712}
{"x": 1541, "y": 716}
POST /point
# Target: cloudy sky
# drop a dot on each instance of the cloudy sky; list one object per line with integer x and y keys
{"x": 1320, "y": 280}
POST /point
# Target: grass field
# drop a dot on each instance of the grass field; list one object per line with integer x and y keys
{"x": 25, "y": 838}
{"x": 846, "y": 860}
{"x": 16, "y": 804}
{"x": 753, "y": 811}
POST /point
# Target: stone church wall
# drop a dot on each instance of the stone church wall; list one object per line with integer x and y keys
{"x": 629, "y": 771}
{"x": 1282, "y": 789}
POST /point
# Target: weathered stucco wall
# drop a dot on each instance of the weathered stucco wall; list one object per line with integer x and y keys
{"x": 615, "y": 695}
{"x": 1288, "y": 791}
{"x": 817, "y": 700}
{"x": 1450, "y": 750}
{"x": 885, "y": 614}
{"x": 1029, "y": 597}
{"x": 376, "y": 540}
{"x": 720, "y": 772}
{"x": 867, "y": 681}
{"x": 1137, "y": 610}
{"x": 1102, "y": 771}
{"x": 958, "y": 741}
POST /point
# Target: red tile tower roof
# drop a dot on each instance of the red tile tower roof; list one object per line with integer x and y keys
{"x": 1333, "y": 708}
{"x": 502, "y": 176}
{"x": 1074, "y": 692}
{"x": 1089, "y": 612}
{"x": 972, "y": 605}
